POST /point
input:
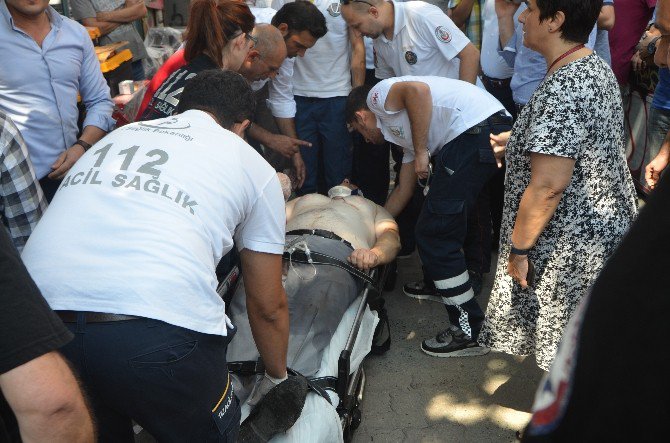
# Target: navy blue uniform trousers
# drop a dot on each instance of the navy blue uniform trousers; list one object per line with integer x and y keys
{"x": 461, "y": 169}
{"x": 172, "y": 381}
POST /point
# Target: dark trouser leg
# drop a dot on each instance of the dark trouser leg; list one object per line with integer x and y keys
{"x": 166, "y": 378}
{"x": 307, "y": 128}
{"x": 336, "y": 140}
{"x": 49, "y": 187}
{"x": 408, "y": 217}
{"x": 370, "y": 169}
{"x": 477, "y": 245}
{"x": 461, "y": 170}
{"x": 138, "y": 70}
{"x": 468, "y": 316}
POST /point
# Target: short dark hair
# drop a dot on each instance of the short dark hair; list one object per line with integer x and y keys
{"x": 580, "y": 16}
{"x": 357, "y": 100}
{"x": 301, "y": 16}
{"x": 224, "y": 94}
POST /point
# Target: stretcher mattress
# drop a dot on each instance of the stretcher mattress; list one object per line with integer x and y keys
{"x": 319, "y": 421}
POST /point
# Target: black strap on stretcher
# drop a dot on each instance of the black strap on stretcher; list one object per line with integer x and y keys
{"x": 317, "y": 258}
{"x": 319, "y": 385}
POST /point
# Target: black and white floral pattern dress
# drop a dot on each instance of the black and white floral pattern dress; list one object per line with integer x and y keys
{"x": 576, "y": 112}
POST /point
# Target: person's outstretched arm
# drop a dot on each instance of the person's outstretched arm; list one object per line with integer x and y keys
{"x": 47, "y": 402}
{"x": 386, "y": 246}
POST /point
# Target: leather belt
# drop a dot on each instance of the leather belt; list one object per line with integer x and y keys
{"x": 317, "y": 258}
{"x": 497, "y": 82}
{"x": 499, "y": 118}
{"x": 320, "y": 233}
{"x": 93, "y": 317}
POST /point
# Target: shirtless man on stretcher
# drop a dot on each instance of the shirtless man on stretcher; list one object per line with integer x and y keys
{"x": 342, "y": 234}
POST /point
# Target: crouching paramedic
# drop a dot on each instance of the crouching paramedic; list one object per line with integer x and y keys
{"x": 126, "y": 257}
{"x": 443, "y": 126}
{"x": 342, "y": 234}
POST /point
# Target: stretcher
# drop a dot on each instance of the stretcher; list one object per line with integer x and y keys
{"x": 340, "y": 377}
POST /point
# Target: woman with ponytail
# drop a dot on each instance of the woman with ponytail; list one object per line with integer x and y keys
{"x": 218, "y": 36}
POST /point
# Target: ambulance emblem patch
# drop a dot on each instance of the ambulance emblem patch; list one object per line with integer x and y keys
{"x": 397, "y": 131}
{"x": 375, "y": 98}
{"x": 334, "y": 9}
{"x": 442, "y": 34}
{"x": 411, "y": 57}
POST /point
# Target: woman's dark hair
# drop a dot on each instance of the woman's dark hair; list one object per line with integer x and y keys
{"x": 357, "y": 100}
{"x": 580, "y": 16}
{"x": 224, "y": 94}
{"x": 301, "y": 16}
{"x": 212, "y": 23}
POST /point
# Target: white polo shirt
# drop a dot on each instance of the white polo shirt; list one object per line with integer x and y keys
{"x": 280, "y": 100}
{"x": 325, "y": 70}
{"x": 143, "y": 217}
{"x": 457, "y": 107}
{"x": 493, "y": 65}
{"x": 425, "y": 42}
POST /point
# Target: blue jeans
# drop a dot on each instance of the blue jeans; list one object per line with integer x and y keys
{"x": 320, "y": 121}
{"x": 166, "y": 378}
{"x": 658, "y": 126}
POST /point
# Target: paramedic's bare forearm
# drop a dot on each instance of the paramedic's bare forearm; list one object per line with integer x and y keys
{"x": 267, "y": 308}
{"x": 357, "y": 58}
{"x": 403, "y": 191}
{"x": 469, "y": 68}
{"x": 47, "y": 401}
{"x": 130, "y": 13}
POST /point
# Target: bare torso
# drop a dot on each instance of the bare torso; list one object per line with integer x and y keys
{"x": 352, "y": 218}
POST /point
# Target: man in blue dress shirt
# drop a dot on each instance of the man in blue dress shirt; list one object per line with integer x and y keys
{"x": 48, "y": 60}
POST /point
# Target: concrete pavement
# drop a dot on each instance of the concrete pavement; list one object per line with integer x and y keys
{"x": 412, "y": 397}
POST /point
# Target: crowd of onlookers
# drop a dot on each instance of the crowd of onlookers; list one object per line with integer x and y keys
{"x": 553, "y": 196}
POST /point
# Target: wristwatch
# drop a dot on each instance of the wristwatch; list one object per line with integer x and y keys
{"x": 517, "y": 251}
{"x": 651, "y": 47}
{"x": 83, "y": 144}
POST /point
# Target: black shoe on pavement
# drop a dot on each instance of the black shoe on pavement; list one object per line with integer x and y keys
{"x": 422, "y": 290}
{"x": 381, "y": 339}
{"x": 453, "y": 342}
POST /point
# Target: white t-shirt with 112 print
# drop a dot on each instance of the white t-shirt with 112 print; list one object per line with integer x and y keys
{"x": 142, "y": 219}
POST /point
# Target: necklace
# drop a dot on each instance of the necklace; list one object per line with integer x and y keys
{"x": 562, "y": 56}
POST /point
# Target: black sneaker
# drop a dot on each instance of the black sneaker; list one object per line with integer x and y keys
{"x": 422, "y": 291}
{"x": 452, "y": 342}
{"x": 381, "y": 339}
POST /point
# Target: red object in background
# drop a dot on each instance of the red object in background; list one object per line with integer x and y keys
{"x": 175, "y": 62}
{"x": 154, "y": 4}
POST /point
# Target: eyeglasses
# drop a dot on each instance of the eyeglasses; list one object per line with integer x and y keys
{"x": 251, "y": 38}
{"x": 346, "y": 2}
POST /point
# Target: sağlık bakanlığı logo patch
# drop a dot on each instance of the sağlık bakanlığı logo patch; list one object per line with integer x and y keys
{"x": 411, "y": 58}
{"x": 334, "y": 9}
{"x": 397, "y": 131}
{"x": 442, "y": 34}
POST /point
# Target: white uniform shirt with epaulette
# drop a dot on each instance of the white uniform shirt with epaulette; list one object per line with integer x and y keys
{"x": 325, "y": 70}
{"x": 425, "y": 42}
{"x": 280, "y": 94}
{"x": 457, "y": 107}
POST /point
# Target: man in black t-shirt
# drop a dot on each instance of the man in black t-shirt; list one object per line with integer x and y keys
{"x": 35, "y": 381}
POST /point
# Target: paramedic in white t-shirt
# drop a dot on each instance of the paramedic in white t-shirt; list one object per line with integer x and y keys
{"x": 126, "y": 257}
{"x": 322, "y": 80}
{"x": 413, "y": 38}
{"x": 449, "y": 121}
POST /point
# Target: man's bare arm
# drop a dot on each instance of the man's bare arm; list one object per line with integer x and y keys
{"x": 131, "y": 11}
{"x": 104, "y": 27}
{"x": 403, "y": 191}
{"x": 267, "y": 308}
{"x": 460, "y": 14}
{"x": 386, "y": 246}
{"x": 47, "y": 402}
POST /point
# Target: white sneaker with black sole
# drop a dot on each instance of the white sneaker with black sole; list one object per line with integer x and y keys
{"x": 453, "y": 342}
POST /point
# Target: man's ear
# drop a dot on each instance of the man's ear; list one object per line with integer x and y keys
{"x": 373, "y": 11}
{"x": 239, "y": 128}
{"x": 283, "y": 28}
{"x": 253, "y": 55}
{"x": 361, "y": 117}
